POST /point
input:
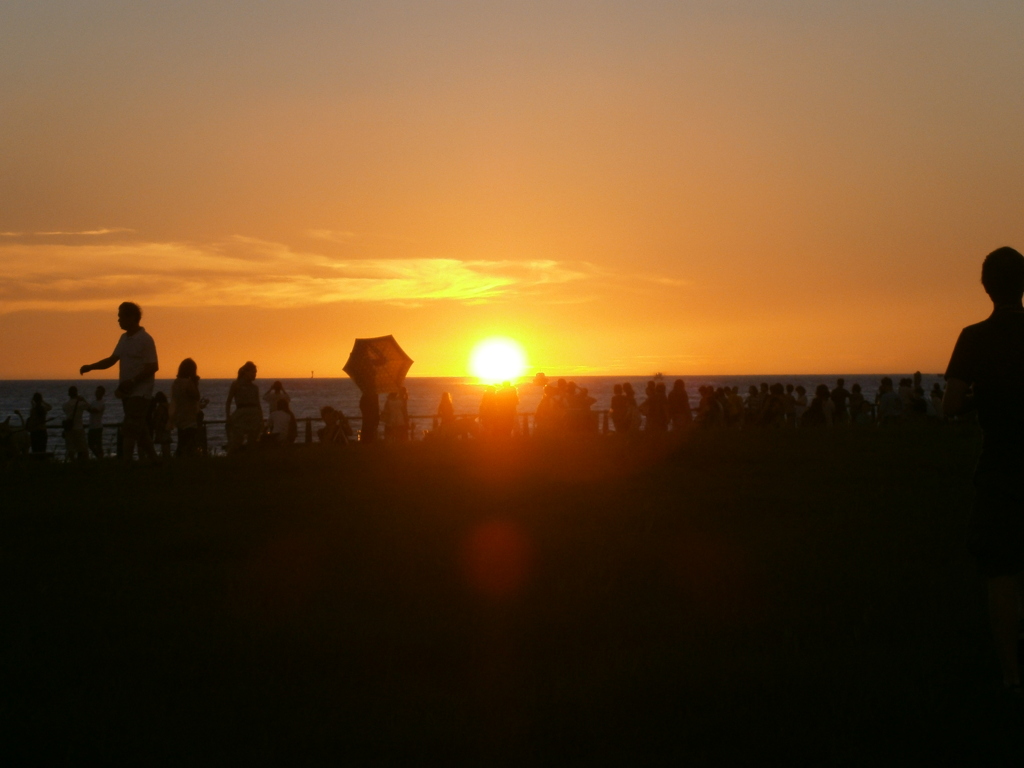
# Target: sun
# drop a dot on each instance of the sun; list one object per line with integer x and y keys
{"x": 497, "y": 359}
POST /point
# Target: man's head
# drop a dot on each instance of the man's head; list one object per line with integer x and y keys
{"x": 100, "y": 392}
{"x": 72, "y": 391}
{"x": 1002, "y": 274}
{"x": 129, "y": 315}
{"x": 840, "y": 383}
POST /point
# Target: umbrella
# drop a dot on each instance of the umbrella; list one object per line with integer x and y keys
{"x": 378, "y": 363}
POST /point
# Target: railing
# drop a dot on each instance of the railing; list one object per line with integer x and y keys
{"x": 111, "y": 438}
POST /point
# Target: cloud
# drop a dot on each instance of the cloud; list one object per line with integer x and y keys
{"x": 250, "y": 272}
{"x": 81, "y": 233}
{"x": 331, "y": 235}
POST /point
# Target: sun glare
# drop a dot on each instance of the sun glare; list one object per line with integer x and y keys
{"x": 495, "y": 360}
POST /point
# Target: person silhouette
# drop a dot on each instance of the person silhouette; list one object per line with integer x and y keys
{"x": 274, "y": 395}
{"x": 245, "y": 423}
{"x": 446, "y": 415}
{"x": 679, "y": 407}
{"x": 186, "y": 403}
{"x": 75, "y": 443}
{"x": 136, "y": 354}
{"x": 369, "y": 409}
{"x": 986, "y": 372}
{"x": 37, "y": 423}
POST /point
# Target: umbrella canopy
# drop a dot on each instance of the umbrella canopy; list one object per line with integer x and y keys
{"x": 378, "y": 363}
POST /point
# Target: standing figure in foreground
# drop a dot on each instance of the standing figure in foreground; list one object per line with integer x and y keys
{"x": 369, "y": 409}
{"x": 989, "y": 356}
{"x": 395, "y": 428}
{"x": 37, "y": 423}
{"x": 245, "y": 425}
{"x": 136, "y": 353}
{"x": 445, "y": 415}
{"x": 184, "y": 409}
{"x": 75, "y": 445}
{"x": 679, "y": 407}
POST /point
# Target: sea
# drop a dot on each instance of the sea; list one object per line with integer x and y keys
{"x": 308, "y": 396}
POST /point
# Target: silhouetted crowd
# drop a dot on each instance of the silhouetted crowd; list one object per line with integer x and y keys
{"x": 150, "y": 416}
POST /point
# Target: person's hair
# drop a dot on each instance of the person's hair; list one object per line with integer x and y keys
{"x": 886, "y": 381}
{"x": 249, "y": 366}
{"x": 37, "y": 397}
{"x": 855, "y": 387}
{"x": 159, "y": 397}
{"x": 841, "y": 382}
{"x": 800, "y": 389}
{"x": 72, "y": 391}
{"x": 1002, "y": 275}
{"x": 276, "y": 386}
{"x": 822, "y": 391}
{"x": 187, "y": 369}
{"x": 130, "y": 309}
{"x": 101, "y": 391}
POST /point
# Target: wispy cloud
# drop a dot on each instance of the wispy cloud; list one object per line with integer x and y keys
{"x": 347, "y": 237}
{"x": 79, "y": 233}
{"x": 331, "y": 235}
{"x": 250, "y": 272}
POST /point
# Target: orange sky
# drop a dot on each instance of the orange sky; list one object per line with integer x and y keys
{"x": 705, "y": 187}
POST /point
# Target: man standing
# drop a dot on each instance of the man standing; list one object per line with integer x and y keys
{"x": 839, "y": 397}
{"x": 74, "y": 433}
{"x": 136, "y": 353}
{"x": 96, "y": 409}
{"x": 989, "y": 356}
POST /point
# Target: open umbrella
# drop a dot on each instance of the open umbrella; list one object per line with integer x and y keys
{"x": 378, "y": 363}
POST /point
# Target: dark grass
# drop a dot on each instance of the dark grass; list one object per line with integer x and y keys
{"x": 751, "y": 598}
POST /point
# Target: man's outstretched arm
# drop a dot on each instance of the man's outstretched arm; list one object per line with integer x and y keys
{"x": 102, "y": 365}
{"x": 955, "y": 401}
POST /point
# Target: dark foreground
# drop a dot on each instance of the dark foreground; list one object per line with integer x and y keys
{"x": 771, "y": 598}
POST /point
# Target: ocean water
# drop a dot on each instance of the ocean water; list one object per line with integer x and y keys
{"x": 309, "y": 395}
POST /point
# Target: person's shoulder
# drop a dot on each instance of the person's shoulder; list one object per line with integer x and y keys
{"x": 976, "y": 328}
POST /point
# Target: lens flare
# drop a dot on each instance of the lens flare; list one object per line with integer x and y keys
{"x": 497, "y": 359}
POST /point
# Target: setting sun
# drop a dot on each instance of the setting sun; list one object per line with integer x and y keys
{"x": 497, "y": 359}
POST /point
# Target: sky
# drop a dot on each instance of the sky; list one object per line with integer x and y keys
{"x": 738, "y": 186}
